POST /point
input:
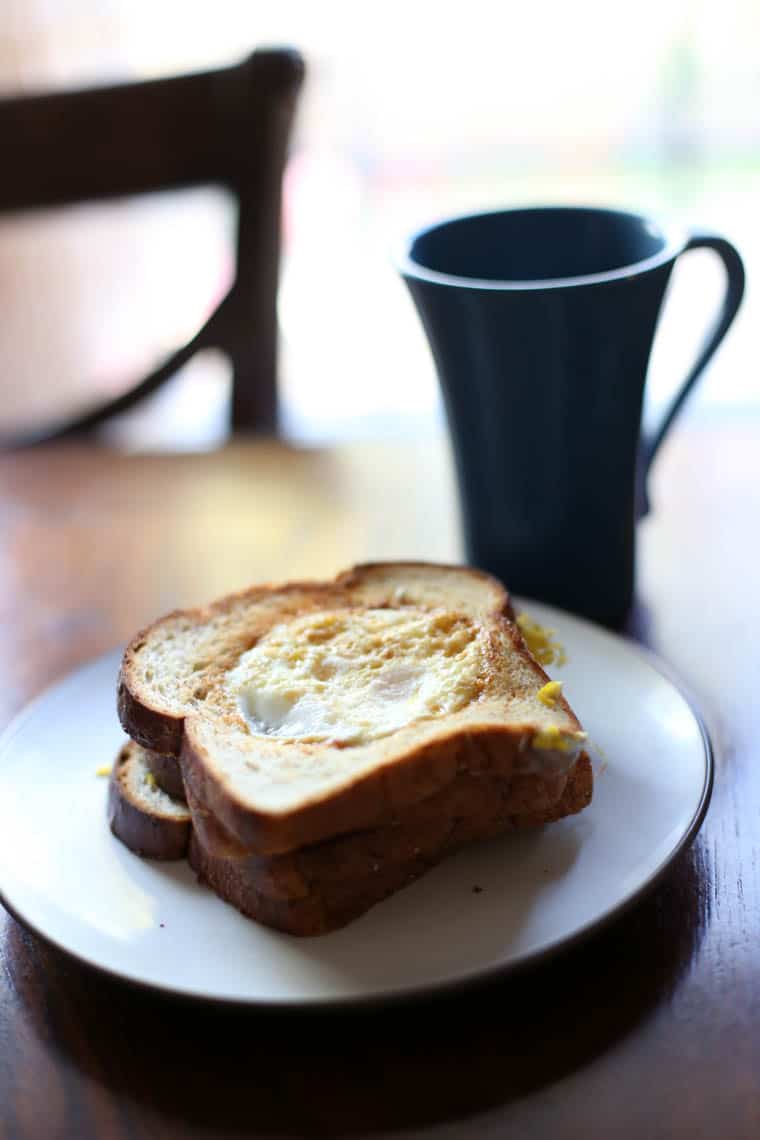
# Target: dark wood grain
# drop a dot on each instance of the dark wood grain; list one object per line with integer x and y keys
{"x": 652, "y": 1029}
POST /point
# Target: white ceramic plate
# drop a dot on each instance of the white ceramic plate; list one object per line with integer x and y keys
{"x": 64, "y": 875}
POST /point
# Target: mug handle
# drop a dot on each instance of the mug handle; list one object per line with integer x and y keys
{"x": 732, "y": 299}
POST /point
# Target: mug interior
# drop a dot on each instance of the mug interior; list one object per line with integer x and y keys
{"x": 532, "y": 245}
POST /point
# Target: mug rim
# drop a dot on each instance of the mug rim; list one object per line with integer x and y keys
{"x": 673, "y": 238}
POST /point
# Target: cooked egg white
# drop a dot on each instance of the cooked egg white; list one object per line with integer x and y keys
{"x": 354, "y": 676}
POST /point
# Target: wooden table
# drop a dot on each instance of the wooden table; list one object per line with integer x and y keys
{"x": 652, "y": 1029}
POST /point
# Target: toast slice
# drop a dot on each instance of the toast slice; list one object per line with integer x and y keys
{"x": 323, "y": 887}
{"x": 144, "y": 818}
{"x": 308, "y": 710}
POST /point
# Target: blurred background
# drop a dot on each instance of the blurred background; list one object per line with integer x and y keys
{"x": 411, "y": 112}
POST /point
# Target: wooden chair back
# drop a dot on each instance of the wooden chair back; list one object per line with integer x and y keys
{"x": 229, "y": 127}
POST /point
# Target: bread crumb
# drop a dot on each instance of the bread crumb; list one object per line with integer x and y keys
{"x": 104, "y": 770}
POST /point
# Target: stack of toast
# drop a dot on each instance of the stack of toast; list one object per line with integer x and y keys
{"x": 312, "y": 748}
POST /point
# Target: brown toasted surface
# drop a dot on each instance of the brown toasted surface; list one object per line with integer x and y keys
{"x": 327, "y": 885}
{"x": 154, "y": 729}
{"x": 137, "y": 818}
{"x": 167, "y": 773}
{"x": 316, "y": 913}
{"x": 371, "y": 802}
{"x": 416, "y": 763}
{"x": 464, "y": 809}
{"x": 577, "y": 795}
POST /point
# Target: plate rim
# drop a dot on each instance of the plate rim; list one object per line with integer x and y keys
{"x": 461, "y": 983}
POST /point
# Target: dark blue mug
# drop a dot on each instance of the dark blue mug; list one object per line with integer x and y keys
{"x": 541, "y": 323}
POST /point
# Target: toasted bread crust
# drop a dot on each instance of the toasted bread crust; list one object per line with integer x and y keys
{"x": 322, "y": 888}
{"x": 146, "y": 832}
{"x": 372, "y": 799}
{"x": 577, "y": 795}
{"x": 154, "y": 729}
{"x": 167, "y": 774}
{"x": 468, "y": 805}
